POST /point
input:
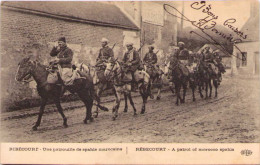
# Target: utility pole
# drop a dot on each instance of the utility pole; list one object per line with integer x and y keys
{"x": 182, "y": 16}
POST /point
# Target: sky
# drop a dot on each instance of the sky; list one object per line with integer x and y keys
{"x": 238, "y": 9}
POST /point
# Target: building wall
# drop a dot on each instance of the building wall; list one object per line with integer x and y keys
{"x": 157, "y": 28}
{"x": 19, "y": 31}
{"x": 251, "y": 48}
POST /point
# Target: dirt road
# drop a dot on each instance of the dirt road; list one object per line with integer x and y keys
{"x": 232, "y": 117}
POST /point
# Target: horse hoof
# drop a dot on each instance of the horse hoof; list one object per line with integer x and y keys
{"x": 177, "y": 104}
{"x": 65, "y": 126}
{"x": 158, "y": 98}
{"x": 85, "y": 121}
{"x": 142, "y": 112}
{"x": 135, "y": 114}
{"x": 91, "y": 119}
{"x": 96, "y": 115}
{"x": 194, "y": 100}
{"x": 34, "y": 128}
{"x": 125, "y": 110}
{"x": 113, "y": 118}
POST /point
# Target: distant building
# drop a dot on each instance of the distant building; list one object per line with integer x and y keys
{"x": 24, "y": 24}
{"x": 158, "y": 28}
{"x": 246, "y": 61}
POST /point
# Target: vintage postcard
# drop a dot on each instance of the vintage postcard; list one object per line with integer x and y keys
{"x": 130, "y": 82}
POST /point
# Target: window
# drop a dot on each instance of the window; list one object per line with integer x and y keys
{"x": 244, "y": 58}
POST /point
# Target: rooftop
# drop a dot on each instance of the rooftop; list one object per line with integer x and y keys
{"x": 97, "y": 13}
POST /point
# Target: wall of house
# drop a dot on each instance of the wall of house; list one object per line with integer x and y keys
{"x": 251, "y": 48}
{"x": 19, "y": 31}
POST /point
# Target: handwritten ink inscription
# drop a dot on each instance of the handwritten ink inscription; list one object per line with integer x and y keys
{"x": 207, "y": 25}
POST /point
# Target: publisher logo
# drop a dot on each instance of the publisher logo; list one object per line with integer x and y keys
{"x": 246, "y": 152}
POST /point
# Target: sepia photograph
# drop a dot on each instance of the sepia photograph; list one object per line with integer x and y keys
{"x": 130, "y": 72}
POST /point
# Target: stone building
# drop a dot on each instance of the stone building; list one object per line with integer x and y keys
{"x": 41, "y": 23}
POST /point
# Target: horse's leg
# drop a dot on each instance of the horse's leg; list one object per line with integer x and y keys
{"x": 149, "y": 87}
{"x": 159, "y": 87}
{"x": 126, "y": 106}
{"x": 144, "y": 97}
{"x": 117, "y": 103}
{"x": 171, "y": 87}
{"x": 57, "y": 103}
{"x": 206, "y": 84}
{"x": 184, "y": 91}
{"x": 98, "y": 91}
{"x": 210, "y": 88}
{"x": 103, "y": 108}
{"x": 216, "y": 83}
{"x": 193, "y": 87}
{"x": 131, "y": 102}
{"x": 38, "y": 122}
{"x": 200, "y": 90}
{"x": 177, "y": 91}
{"x": 159, "y": 93}
{"x": 88, "y": 102}
{"x": 144, "y": 93}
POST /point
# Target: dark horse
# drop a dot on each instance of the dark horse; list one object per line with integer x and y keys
{"x": 205, "y": 76}
{"x": 179, "y": 79}
{"x": 47, "y": 91}
{"x": 155, "y": 77}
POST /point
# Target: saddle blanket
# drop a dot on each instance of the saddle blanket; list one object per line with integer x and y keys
{"x": 68, "y": 75}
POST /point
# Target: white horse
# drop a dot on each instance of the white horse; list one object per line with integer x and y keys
{"x": 114, "y": 72}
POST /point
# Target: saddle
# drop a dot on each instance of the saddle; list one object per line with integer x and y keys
{"x": 58, "y": 75}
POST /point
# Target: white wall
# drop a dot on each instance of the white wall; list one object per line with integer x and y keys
{"x": 251, "y": 48}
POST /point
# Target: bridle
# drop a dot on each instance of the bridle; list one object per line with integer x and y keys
{"x": 111, "y": 70}
{"x": 29, "y": 74}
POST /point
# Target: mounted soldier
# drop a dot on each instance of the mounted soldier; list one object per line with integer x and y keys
{"x": 209, "y": 61}
{"x": 150, "y": 60}
{"x": 131, "y": 62}
{"x": 219, "y": 64}
{"x": 207, "y": 56}
{"x": 218, "y": 61}
{"x": 182, "y": 55}
{"x": 104, "y": 54}
{"x": 63, "y": 58}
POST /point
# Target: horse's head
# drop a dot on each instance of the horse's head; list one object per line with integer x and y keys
{"x": 111, "y": 67}
{"x": 25, "y": 68}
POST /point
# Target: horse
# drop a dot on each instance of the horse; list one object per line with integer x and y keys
{"x": 179, "y": 79}
{"x": 100, "y": 85}
{"x": 114, "y": 72}
{"x": 205, "y": 76}
{"x": 156, "y": 78}
{"x": 28, "y": 67}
